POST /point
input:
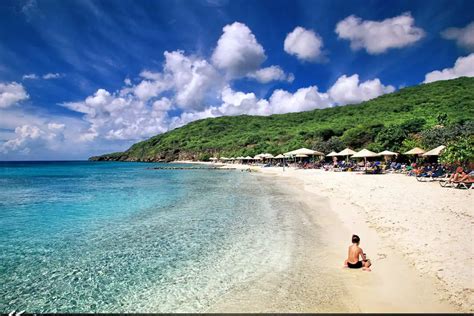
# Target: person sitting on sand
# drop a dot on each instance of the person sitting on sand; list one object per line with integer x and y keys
{"x": 352, "y": 261}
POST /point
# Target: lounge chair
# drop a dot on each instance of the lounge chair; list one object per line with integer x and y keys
{"x": 467, "y": 184}
{"x": 435, "y": 176}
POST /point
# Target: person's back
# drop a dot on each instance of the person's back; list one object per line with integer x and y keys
{"x": 353, "y": 255}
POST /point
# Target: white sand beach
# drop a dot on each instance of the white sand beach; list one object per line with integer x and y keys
{"x": 419, "y": 237}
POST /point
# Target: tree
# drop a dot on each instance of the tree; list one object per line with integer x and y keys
{"x": 414, "y": 125}
{"x": 391, "y": 137}
{"x": 459, "y": 151}
{"x": 332, "y": 144}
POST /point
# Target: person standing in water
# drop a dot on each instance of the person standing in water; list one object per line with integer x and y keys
{"x": 352, "y": 261}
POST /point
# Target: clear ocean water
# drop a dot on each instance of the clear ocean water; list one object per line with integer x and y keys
{"x": 120, "y": 237}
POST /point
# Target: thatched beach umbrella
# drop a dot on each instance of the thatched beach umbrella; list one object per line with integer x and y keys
{"x": 332, "y": 154}
{"x": 415, "y": 151}
{"x": 304, "y": 151}
{"x": 435, "y": 152}
{"x": 365, "y": 153}
{"x": 346, "y": 153}
{"x": 387, "y": 153}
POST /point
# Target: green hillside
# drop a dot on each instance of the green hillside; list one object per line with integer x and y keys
{"x": 426, "y": 115}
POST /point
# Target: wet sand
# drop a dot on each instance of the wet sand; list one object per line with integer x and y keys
{"x": 408, "y": 229}
{"x": 315, "y": 281}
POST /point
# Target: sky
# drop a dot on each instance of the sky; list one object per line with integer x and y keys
{"x": 82, "y": 78}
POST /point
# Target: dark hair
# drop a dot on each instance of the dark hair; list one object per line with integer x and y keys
{"x": 355, "y": 239}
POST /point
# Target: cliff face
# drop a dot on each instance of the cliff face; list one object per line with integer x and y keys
{"x": 427, "y": 115}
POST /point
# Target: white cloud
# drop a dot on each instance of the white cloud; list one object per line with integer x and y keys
{"x": 377, "y": 37}
{"x": 27, "y": 136}
{"x": 148, "y": 89}
{"x": 193, "y": 79}
{"x": 30, "y": 76}
{"x": 304, "y": 99}
{"x": 272, "y": 73}
{"x": 237, "y": 51}
{"x": 349, "y": 90}
{"x": 305, "y": 44}
{"x": 47, "y": 76}
{"x": 11, "y": 93}
{"x": 464, "y": 37}
{"x": 122, "y": 117}
{"x": 50, "y": 75}
{"x": 464, "y": 67}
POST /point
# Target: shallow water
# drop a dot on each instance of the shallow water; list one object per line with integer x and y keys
{"x": 119, "y": 237}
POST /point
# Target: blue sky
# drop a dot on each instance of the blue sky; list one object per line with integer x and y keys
{"x": 79, "y": 78}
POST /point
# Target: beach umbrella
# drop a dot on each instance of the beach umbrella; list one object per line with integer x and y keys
{"x": 301, "y": 156}
{"x": 365, "y": 153}
{"x": 346, "y": 153}
{"x": 387, "y": 153}
{"x": 415, "y": 151}
{"x": 304, "y": 151}
{"x": 435, "y": 152}
{"x": 332, "y": 154}
{"x": 248, "y": 158}
{"x": 258, "y": 157}
{"x": 280, "y": 156}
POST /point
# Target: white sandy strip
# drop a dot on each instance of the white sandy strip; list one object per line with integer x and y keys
{"x": 419, "y": 236}
{"x": 431, "y": 226}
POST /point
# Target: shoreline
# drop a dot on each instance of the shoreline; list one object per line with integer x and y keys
{"x": 404, "y": 226}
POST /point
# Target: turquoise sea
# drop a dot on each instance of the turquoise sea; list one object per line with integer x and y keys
{"x": 121, "y": 237}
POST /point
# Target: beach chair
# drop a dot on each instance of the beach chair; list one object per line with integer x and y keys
{"x": 469, "y": 184}
{"x": 426, "y": 177}
{"x": 457, "y": 184}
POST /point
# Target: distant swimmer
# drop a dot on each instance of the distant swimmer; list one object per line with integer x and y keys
{"x": 355, "y": 251}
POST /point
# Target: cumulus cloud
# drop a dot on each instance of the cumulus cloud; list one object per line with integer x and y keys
{"x": 116, "y": 116}
{"x": 377, "y": 37}
{"x": 305, "y": 44}
{"x": 349, "y": 90}
{"x": 28, "y": 135}
{"x": 193, "y": 79}
{"x": 304, "y": 99}
{"x": 272, "y": 73}
{"x": 11, "y": 93}
{"x": 237, "y": 51}
{"x": 464, "y": 67}
{"x": 464, "y": 37}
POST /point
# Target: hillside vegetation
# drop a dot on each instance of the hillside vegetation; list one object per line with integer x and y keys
{"x": 427, "y": 115}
